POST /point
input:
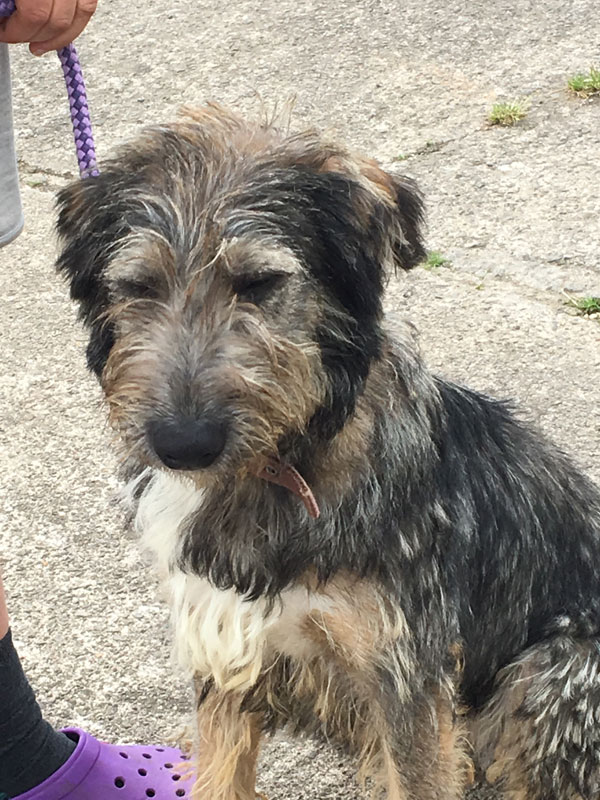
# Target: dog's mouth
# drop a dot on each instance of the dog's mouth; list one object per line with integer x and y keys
{"x": 191, "y": 446}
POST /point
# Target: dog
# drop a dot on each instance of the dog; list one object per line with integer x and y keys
{"x": 352, "y": 546}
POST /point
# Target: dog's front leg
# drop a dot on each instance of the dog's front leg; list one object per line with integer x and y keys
{"x": 227, "y": 749}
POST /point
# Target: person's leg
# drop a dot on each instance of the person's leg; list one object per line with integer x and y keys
{"x": 3, "y": 611}
{"x": 11, "y": 214}
{"x": 36, "y": 762}
{"x": 30, "y": 749}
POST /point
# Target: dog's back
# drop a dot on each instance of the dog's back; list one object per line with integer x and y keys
{"x": 527, "y": 525}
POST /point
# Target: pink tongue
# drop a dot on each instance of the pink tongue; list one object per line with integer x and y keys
{"x": 284, "y": 475}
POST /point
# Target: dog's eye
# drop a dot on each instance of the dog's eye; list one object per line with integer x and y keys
{"x": 254, "y": 288}
{"x": 130, "y": 289}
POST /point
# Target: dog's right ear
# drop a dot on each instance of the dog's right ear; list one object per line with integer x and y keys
{"x": 90, "y": 224}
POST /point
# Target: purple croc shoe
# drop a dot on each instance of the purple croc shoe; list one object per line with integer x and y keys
{"x": 100, "y": 771}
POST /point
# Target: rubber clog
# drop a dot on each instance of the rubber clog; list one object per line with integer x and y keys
{"x": 100, "y": 771}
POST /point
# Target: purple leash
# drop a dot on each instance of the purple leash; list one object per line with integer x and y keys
{"x": 80, "y": 114}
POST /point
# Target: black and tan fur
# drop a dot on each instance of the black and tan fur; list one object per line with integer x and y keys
{"x": 232, "y": 279}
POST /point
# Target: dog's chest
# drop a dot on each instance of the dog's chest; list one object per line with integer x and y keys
{"x": 220, "y": 634}
{"x": 217, "y": 632}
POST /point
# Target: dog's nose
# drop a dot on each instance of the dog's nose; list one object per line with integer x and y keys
{"x": 187, "y": 443}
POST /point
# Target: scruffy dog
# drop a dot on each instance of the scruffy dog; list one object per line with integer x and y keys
{"x": 352, "y": 546}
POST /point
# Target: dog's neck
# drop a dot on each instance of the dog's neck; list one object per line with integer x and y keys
{"x": 330, "y": 470}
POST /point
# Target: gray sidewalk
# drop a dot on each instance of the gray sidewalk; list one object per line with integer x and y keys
{"x": 516, "y": 211}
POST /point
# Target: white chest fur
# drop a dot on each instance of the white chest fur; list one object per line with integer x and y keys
{"x": 217, "y": 632}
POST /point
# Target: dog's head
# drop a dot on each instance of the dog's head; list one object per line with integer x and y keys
{"x": 231, "y": 279}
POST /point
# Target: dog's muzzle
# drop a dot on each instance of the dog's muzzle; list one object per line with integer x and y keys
{"x": 190, "y": 444}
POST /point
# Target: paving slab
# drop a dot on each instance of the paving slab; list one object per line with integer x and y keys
{"x": 515, "y": 210}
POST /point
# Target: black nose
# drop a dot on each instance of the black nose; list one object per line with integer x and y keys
{"x": 185, "y": 443}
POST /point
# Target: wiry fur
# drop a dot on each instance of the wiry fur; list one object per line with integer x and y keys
{"x": 230, "y": 273}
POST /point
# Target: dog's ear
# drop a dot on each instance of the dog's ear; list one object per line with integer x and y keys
{"x": 409, "y": 249}
{"x": 362, "y": 223}
{"x": 400, "y": 212}
{"x": 367, "y": 222}
{"x": 89, "y": 226}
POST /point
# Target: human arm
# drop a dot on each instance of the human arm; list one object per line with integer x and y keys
{"x": 47, "y": 24}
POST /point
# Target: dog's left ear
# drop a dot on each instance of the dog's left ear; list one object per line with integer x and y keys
{"x": 400, "y": 212}
{"x": 89, "y": 227}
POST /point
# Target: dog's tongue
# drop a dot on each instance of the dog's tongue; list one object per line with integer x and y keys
{"x": 284, "y": 475}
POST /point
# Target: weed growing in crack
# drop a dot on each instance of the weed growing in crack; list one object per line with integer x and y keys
{"x": 586, "y": 306}
{"x": 508, "y": 113}
{"x": 435, "y": 260}
{"x": 585, "y": 84}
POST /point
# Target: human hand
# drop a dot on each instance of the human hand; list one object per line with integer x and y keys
{"x": 46, "y": 24}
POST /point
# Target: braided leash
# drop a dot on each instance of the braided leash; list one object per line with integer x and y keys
{"x": 80, "y": 114}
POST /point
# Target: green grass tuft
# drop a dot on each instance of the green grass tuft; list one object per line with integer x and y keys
{"x": 435, "y": 260}
{"x": 585, "y": 306}
{"x": 508, "y": 113}
{"x": 585, "y": 84}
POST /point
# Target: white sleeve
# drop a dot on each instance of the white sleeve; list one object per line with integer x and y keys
{"x": 11, "y": 213}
